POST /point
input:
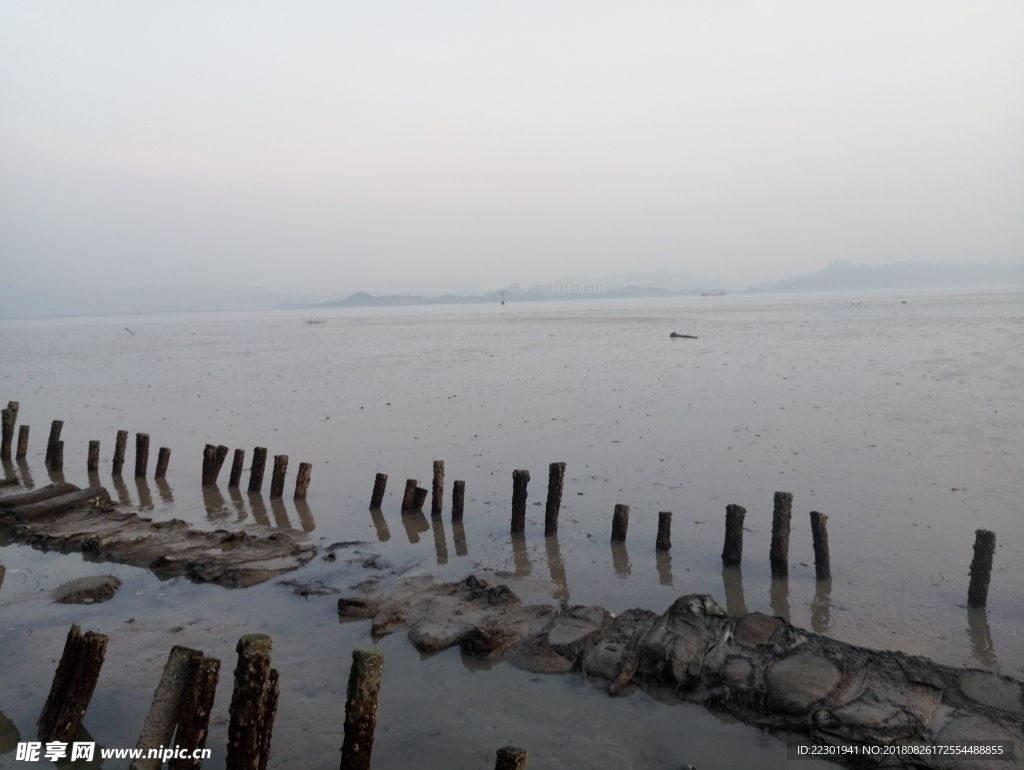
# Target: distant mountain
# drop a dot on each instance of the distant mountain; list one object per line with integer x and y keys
{"x": 656, "y": 279}
{"x": 846, "y": 276}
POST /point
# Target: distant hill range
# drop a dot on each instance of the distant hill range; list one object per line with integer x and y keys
{"x": 846, "y": 276}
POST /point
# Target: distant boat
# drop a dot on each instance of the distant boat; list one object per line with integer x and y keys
{"x": 712, "y": 294}
{"x": 678, "y": 336}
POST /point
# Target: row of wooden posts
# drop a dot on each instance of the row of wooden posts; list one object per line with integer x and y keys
{"x": 179, "y": 715}
{"x": 732, "y": 551}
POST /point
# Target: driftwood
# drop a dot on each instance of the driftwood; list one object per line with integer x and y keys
{"x": 677, "y": 336}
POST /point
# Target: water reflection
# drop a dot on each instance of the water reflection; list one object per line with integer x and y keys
{"x": 94, "y": 479}
{"x": 414, "y": 523}
{"x": 556, "y": 566}
{"x": 982, "y": 648}
{"x": 440, "y": 542}
{"x": 663, "y": 562}
{"x": 280, "y": 513}
{"x": 306, "y": 519}
{"x": 779, "y": 595}
{"x": 56, "y": 477}
{"x": 9, "y": 472}
{"x": 520, "y": 556}
{"x": 821, "y": 618}
{"x": 732, "y": 577}
{"x": 459, "y": 538}
{"x": 26, "y": 475}
{"x": 216, "y": 505}
{"x": 121, "y": 489}
{"x": 380, "y": 524}
{"x": 145, "y": 496}
{"x": 620, "y": 560}
{"x": 259, "y": 510}
{"x": 236, "y": 500}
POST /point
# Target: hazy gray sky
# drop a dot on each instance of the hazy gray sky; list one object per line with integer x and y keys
{"x": 328, "y": 147}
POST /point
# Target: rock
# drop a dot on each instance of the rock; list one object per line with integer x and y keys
{"x": 737, "y": 671}
{"x": 797, "y": 682}
{"x": 604, "y": 660}
{"x": 87, "y": 590}
{"x": 755, "y": 629}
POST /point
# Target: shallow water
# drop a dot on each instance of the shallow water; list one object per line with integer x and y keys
{"x": 898, "y": 415}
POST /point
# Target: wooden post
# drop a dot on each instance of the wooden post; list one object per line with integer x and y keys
{"x": 93, "y": 463}
{"x": 141, "y": 454}
{"x": 165, "y": 710}
{"x": 237, "y": 465}
{"x": 51, "y": 444}
{"x": 364, "y": 682}
{"x": 22, "y": 442}
{"x": 663, "y": 543}
{"x": 732, "y": 551}
{"x": 7, "y": 422}
{"x": 458, "y": 500}
{"x": 120, "y": 445}
{"x": 510, "y": 758}
{"x": 519, "y": 481}
{"x": 163, "y": 459}
{"x": 556, "y": 481}
{"x": 620, "y": 523}
{"x": 779, "y": 554}
{"x": 277, "y": 479}
{"x": 57, "y": 461}
{"x": 437, "y": 489}
{"x": 981, "y": 567}
{"x": 271, "y": 694}
{"x": 259, "y": 462}
{"x": 3, "y": 571}
{"x": 380, "y": 483}
{"x": 196, "y": 706}
{"x": 409, "y": 498}
{"x": 421, "y": 497}
{"x": 73, "y": 685}
{"x": 819, "y": 535}
{"x": 213, "y": 461}
{"x": 302, "y": 480}
{"x": 247, "y": 745}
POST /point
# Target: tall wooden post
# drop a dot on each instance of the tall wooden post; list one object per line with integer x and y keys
{"x": 732, "y": 551}
{"x": 8, "y": 418}
{"x": 981, "y": 567}
{"x": 22, "y": 442}
{"x": 51, "y": 444}
{"x": 163, "y": 459}
{"x": 663, "y": 543}
{"x": 73, "y": 685}
{"x": 556, "y": 482}
{"x": 520, "y": 479}
{"x": 251, "y": 717}
{"x": 779, "y": 555}
{"x": 120, "y": 445}
{"x": 302, "y": 480}
{"x": 620, "y": 523}
{"x": 141, "y": 454}
{"x": 819, "y": 535}
{"x": 380, "y": 484}
{"x": 458, "y": 500}
{"x": 364, "y": 682}
{"x": 237, "y": 466}
{"x": 277, "y": 480}
{"x": 259, "y": 462}
{"x": 92, "y": 464}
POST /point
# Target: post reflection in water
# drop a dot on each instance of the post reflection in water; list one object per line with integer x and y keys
{"x": 663, "y": 561}
{"x": 259, "y": 509}
{"x": 556, "y": 566}
{"x": 779, "y": 596}
{"x": 735, "y": 603}
{"x": 165, "y": 490}
{"x": 94, "y": 479}
{"x": 26, "y": 475}
{"x": 520, "y": 556}
{"x": 56, "y": 477}
{"x": 414, "y": 523}
{"x": 280, "y": 513}
{"x": 459, "y": 538}
{"x": 306, "y": 519}
{"x": 239, "y": 502}
{"x": 145, "y": 496}
{"x": 982, "y": 648}
{"x": 620, "y": 560}
{"x": 380, "y": 524}
{"x": 821, "y": 617}
{"x": 440, "y": 541}
{"x": 216, "y": 505}
{"x": 8, "y": 467}
{"x": 121, "y": 489}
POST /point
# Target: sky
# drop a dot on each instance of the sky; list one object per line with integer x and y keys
{"x": 320, "y": 148}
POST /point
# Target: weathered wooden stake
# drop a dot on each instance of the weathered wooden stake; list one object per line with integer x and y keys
{"x": 73, "y": 685}
{"x": 779, "y": 554}
{"x": 271, "y": 694}
{"x": 165, "y": 710}
{"x": 409, "y": 498}
{"x": 93, "y": 463}
{"x": 819, "y": 535}
{"x": 163, "y": 459}
{"x": 421, "y": 497}
{"x": 437, "y": 489}
{"x": 277, "y": 479}
{"x": 510, "y": 758}
{"x": 620, "y": 523}
{"x": 7, "y": 421}
{"x": 141, "y": 454}
{"x": 981, "y": 567}
{"x": 663, "y": 543}
{"x": 556, "y": 481}
{"x": 732, "y": 551}
{"x": 380, "y": 483}
{"x": 213, "y": 461}
{"x": 249, "y": 700}
{"x": 259, "y": 462}
{"x": 364, "y": 682}
{"x": 22, "y": 442}
{"x": 3, "y": 571}
{"x": 302, "y": 480}
{"x": 51, "y": 444}
{"x": 120, "y": 445}
{"x": 57, "y": 461}
{"x": 237, "y": 466}
{"x": 196, "y": 706}
{"x": 458, "y": 500}
{"x": 519, "y": 481}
